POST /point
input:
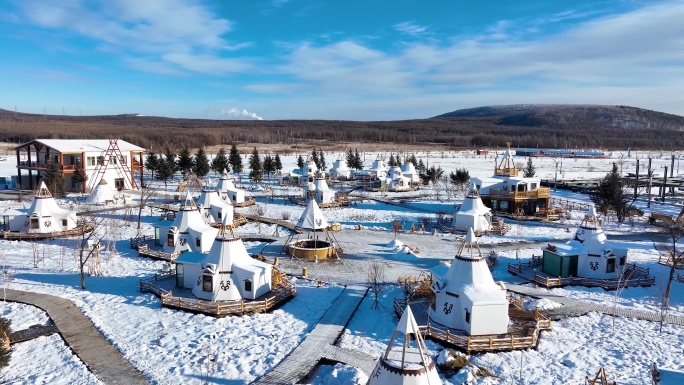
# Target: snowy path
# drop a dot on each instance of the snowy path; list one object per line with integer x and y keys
{"x": 575, "y": 308}
{"x": 83, "y": 338}
{"x": 319, "y": 343}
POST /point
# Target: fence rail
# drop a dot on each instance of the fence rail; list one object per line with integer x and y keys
{"x": 145, "y": 251}
{"x": 606, "y": 284}
{"x": 136, "y": 242}
{"x": 517, "y": 268}
{"x": 667, "y": 261}
{"x": 284, "y": 290}
{"x": 80, "y": 229}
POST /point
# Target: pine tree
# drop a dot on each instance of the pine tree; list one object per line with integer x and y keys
{"x": 79, "y": 176}
{"x": 529, "y": 170}
{"x": 398, "y": 160}
{"x": 314, "y": 157}
{"x": 421, "y": 166}
{"x": 321, "y": 161}
{"x": 256, "y": 170}
{"x": 220, "y": 162}
{"x": 167, "y": 167}
{"x": 277, "y": 163}
{"x": 152, "y": 162}
{"x": 611, "y": 195}
{"x": 460, "y": 179}
{"x": 300, "y": 162}
{"x": 350, "y": 159}
{"x": 392, "y": 162}
{"x": 235, "y": 159}
{"x": 413, "y": 160}
{"x": 268, "y": 165}
{"x": 358, "y": 162}
{"x": 184, "y": 162}
{"x": 54, "y": 180}
{"x": 200, "y": 164}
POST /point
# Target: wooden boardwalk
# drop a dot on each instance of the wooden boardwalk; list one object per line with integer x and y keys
{"x": 288, "y": 225}
{"x": 319, "y": 344}
{"x": 83, "y": 338}
{"x": 32, "y": 332}
{"x": 575, "y": 308}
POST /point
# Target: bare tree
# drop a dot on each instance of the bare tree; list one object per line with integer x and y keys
{"x": 673, "y": 253}
{"x": 146, "y": 193}
{"x": 94, "y": 237}
{"x": 376, "y": 282}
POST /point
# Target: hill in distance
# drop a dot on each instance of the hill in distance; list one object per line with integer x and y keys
{"x": 570, "y": 116}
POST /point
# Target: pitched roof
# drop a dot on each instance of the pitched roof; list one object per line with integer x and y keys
{"x": 84, "y": 145}
{"x": 312, "y": 218}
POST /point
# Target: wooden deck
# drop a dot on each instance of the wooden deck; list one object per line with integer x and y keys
{"x": 281, "y": 292}
{"x": 667, "y": 261}
{"x": 18, "y": 236}
{"x": 638, "y": 276}
{"x": 523, "y": 331}
{"x": 288, "y": 225}
{"x": 145, "y": 251}
{"x": 319, "y": 344}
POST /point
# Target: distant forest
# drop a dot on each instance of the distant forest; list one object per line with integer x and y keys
{"x": 156, "y": 133}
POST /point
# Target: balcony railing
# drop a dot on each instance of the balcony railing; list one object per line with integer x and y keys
{"x": 542, "y": 192}
{"x": 27, "y": 164}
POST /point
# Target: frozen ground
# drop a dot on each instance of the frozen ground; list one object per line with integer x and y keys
{"x": 173, "y": 347}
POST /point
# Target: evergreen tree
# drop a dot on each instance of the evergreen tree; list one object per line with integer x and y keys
{"x": 277, "y": 163}
{"x": 421, "y": 166}
{"x": 358, "y": 162}
{"x": 152, "y": 162}
{"x": 314, "y": 157}
{"x": 392, "y": 162}
{"x": 79, "y": 176}
{"x": 529, "y": 170}
{"x": 321, "y": 161}
{"x": 610, "y": 195}
{"x": 167, "y": 167}
{"x": 269, "y": 165}
{"x": 235, "y": 159}
{"x": 413, "y": 160}
{"x": 220, "y": 162}
{"x": 200, "y": 164}
{"x": 431, "y": 175}
{"x": 5, "y": 351}
{"x": 256, "y": 170}
{"x": 398, "y": 160}
{"x": 351, "y": 160}
{"x": 184, "y": 162}
{"x": 460, "y": 179}
{"x": 300, "y": 162}
{"x": 54, "y": 180}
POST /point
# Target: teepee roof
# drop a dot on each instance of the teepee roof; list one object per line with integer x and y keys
{"x": 407, "y": 324}
{"x": 43, "y": 203}
{"x": 312, "y": 218}
{"x": 101, "y": 193}
{"x": 472, "y": 204}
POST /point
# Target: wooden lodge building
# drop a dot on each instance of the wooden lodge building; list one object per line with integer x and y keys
{"x": 118, "y": 162}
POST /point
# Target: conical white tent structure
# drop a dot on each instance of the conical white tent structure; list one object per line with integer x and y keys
{"x": 378, "y": 169}
{"x": 188, "y": 232}
{"x": 473, "y": 214}
{"x": 406, "y": 360}
{"x": 589, "y": 254}
{"x": 466, "y": 297}
{"x": 410, "y": 172}
{"x": 226, "y": 273}
{"x": 323, "y": 193}
{"x": 319, "y": 243}
{"x": 340, "y": 170}
{"x": 45, "y": 216}
{"x": 308, "y": 171}
{"x": 101, "y": 194}
{"x": 213, "y": 208}
{"x": 396, "y": 181}
{"x": 228, "y": 191}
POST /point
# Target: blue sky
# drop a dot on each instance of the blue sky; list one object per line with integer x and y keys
{"x": 353, "y": 59}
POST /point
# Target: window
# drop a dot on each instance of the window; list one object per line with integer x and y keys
{"x": 623, "y": 260}
{"x": 170, "y": 240}
{"x": 100, "y": 160}
{"x": 467, "y": 316}
{"x": 198, "y": 242}
{"x": 610, "y": 265}
{"x": 248, "y": 285}
{"x": 35, "y": 223}
{"x": 219, "y": 215}
{"x": 119, "y": 183}
{"x": 90, "y": 161}
{"x": 207, "y": 283}
{"x": 179, "y": 275}
{"x": 533, "y": 186}
{"x": 64, "y": 222}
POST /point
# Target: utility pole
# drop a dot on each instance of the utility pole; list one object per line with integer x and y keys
{"x": 636, "y": 179}
{"x": 650, "y": 182}
{"x": 664, "y": 184}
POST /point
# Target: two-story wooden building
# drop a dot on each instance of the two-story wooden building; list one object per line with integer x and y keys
{"x": 118, "y": 162}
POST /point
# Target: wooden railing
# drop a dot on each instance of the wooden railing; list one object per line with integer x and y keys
{"x": 145, "y": 251}
{"x": 606, "y": 284}
{"x": 25, "y": 163}
{"x": 667, "y": 261}
{"x": 136, "y": 242}
{"x": 284, "y": 290}
{"x": 680, "y": 278}
{"x": 80, "y": 229}
{"x": 632, "y": 270}
{"x": 517, "y": 268}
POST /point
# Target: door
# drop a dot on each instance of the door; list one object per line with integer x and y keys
{"x": 572, "y": 271}
{"x": 119, "y": 183}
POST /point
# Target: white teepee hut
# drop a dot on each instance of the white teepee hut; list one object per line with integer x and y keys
{"x": 396, "y": 181}
{"x": 339, "y": 170}
{"x": 226, "y": 273}
{"x": 406, "y": 360}
{"x": 410, "y": 172}
{"x": 308, "y": 172}
{"x": 588, "y": 255}
{"x": 319, "y": 243}
{"x": 466, "y": 297}
{"x": 378, "y": 169}
{"x": 228, "y": 191}
{"x": 102, "y": 193}
{"x": 213, "y": 208}
{"x": 44, "y": 215}
{"x": 188, "y": 232}
{"x": 323, "y": 193}
{"x": 473, "y": 214}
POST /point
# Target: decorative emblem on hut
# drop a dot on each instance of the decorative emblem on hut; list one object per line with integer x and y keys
{"x": 447, "y": 307}
{"x": 594, "y": 265}
{"x": 225, "y": 285}
{"x": 319, "y": 222}
{"x": 182, "y": 242}
{"x": 199, "y": 280}
{"x": 48, "y": 223}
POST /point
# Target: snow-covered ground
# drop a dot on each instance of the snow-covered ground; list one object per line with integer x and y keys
{"x": 172, "y": 347}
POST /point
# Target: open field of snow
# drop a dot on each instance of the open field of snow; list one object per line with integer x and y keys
{"x": 174, "y": 347}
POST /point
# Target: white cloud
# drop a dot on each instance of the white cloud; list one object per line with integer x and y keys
{"x": 150, "y": 28}
{"x": 410, "y": 28}
{"x": 231, "y": 113}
